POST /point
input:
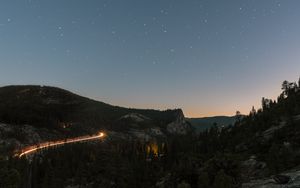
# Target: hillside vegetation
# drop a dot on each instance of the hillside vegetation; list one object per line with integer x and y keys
{"x": 54, "y": 108}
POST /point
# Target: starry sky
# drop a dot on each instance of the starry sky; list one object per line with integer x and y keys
{"x": 208, "y": 57}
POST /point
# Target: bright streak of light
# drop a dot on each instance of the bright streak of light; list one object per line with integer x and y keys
{"x": 34, "y": 148}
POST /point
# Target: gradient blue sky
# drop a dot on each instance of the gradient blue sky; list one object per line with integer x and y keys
{"x": 209, "y": 57}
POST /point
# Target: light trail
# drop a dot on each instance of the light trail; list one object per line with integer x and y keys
{"x": 40, "y": 146}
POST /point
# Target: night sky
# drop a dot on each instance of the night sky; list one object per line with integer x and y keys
{"x": 207, "y": 57}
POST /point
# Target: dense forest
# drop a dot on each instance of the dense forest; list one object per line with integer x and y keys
{"x": 213, "y": 158}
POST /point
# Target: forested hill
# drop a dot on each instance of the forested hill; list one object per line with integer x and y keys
{"x": 204, "y": 123}
{"x": 52, "y": 107}
{"x": 264, "y": 143}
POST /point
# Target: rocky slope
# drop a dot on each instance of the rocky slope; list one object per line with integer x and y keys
{"x": 179, "y": 125}
{"x": 289, "y": 179}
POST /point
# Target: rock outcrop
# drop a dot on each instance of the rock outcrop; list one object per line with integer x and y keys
{"x": 136, "y": 117}
{"x": 253, "y": 168}
{"x": 180, "y": 125}
{"x": 290, "y": 179}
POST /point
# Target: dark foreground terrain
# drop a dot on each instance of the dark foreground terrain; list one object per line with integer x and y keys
{"x": 146, "y": 148}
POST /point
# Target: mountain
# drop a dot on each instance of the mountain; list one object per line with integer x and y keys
{"x": 65, "y": 112}
{"x": 204, "y": 123}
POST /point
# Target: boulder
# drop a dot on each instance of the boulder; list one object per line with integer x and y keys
{"x": 252, "y": 168}
{"x": 290, "y": 179}
{"x": 281, "y": 179}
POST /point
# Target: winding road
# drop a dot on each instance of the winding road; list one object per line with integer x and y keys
{"x": 34, "y": 148}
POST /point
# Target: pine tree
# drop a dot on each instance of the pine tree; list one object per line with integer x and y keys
{"x": 222, "y": 180}
{"x": 184, "y": 185}
{"x": 238, "y": 117}
{"x": 252, "y": 112}
{"x": 10, "y": 178}
{"x": 285, "y": 87}
{"x": 203, "y": 180}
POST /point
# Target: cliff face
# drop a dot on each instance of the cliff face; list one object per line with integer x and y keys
{"x": 179, "y": 125}
{"x": 147, "y": 128}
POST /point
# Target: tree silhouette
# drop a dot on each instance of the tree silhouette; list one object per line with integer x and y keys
{"x": 238, "y": 116}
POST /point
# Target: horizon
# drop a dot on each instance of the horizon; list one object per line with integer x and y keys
{"x": 207, "y": 58}
{"x": 209, "y": 116}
